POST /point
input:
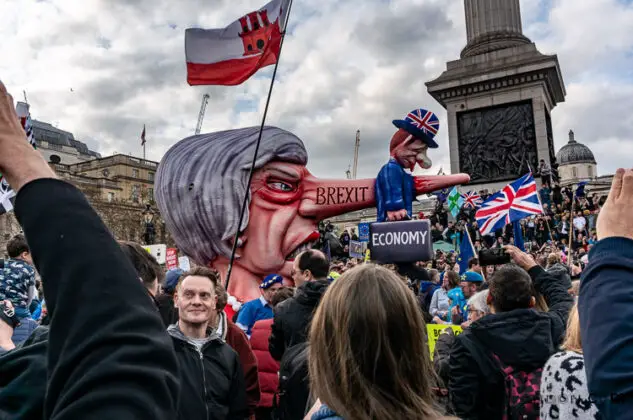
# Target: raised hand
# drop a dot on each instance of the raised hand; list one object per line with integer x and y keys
{"x": 19, "y": 162}
{"x": 615, "y": 218}
{"x": 428, "y": 183}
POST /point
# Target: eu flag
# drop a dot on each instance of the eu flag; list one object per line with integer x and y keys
{"x": 466, "y": 252}
{"x": 518, "y": 235}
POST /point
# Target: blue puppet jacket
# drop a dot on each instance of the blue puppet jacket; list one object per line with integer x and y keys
{"x": 394, "y": 190}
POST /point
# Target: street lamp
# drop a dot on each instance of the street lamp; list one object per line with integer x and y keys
{"x": 148, "y": 221}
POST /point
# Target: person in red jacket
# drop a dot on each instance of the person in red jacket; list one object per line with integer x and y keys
{"x": 237, "y": 339}
{"x": 267, "y": 367}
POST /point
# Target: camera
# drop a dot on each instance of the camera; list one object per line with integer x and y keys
{"x": 7, "y": 314}
{"x": 497, "y": 256}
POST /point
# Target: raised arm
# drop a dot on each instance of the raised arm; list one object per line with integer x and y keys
{"x": 605, "y": 304}
{"x": 108, "y": 354}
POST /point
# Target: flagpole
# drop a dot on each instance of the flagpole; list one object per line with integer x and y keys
{"x": 538, "y": 196}
{"x": 571, "y": 226}
{"x": 259, "y": 139}
{"x": 143, "y": 151}
{"x": 470, "y": 241}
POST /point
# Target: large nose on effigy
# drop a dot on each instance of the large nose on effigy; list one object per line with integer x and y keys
{"x": 323, "y": 198}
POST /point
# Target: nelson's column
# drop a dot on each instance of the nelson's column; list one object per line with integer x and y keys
{"x": 499, "y": 96}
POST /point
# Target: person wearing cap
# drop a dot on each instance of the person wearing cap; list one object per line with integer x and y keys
{"x": 395, "y": 189}
{"x": 470, "y": 283}
{"x": 261, "y": 308}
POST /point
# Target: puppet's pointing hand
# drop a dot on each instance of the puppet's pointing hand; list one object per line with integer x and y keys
{"x": 427, "y": 184}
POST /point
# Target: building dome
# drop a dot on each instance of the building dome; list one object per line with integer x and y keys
{"x": 574, "y": 152}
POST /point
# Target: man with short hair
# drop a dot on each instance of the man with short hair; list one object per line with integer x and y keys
{"x": 470, "y": 284}
{"x": 261, "y": 308}
{"x": 293, "y": 316}
{"x": 211, "y": 376}
{"x": 145, "y": 264}
{"x": 514, "y": 337}
{"x": 473, "y": 265}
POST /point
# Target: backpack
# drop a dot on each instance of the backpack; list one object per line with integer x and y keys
{"x": 293, "y": 395}
{"x": 522, "y": 390}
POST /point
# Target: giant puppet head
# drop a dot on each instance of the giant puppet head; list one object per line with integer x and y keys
{"x": 201, "y": 183}
{"x": 415, "y": 135}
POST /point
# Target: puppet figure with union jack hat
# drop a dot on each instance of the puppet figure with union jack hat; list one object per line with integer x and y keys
{"x": 395, "y": 190}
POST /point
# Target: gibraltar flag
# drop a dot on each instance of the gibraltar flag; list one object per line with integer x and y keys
{"x": 231, "y": 55}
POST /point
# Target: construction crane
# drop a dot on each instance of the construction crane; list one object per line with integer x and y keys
{"x": 356, "y": 147}
{"x": 203, "y": 108}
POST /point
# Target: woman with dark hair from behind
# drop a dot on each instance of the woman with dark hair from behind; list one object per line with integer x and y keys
{"x": 368, "y": 357}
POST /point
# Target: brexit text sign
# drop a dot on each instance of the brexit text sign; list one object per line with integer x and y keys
{"x": 400, "y": 242}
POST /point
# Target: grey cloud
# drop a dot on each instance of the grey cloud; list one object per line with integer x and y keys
{"x": 400, "y": 35}
{"x": 328, "y": 88}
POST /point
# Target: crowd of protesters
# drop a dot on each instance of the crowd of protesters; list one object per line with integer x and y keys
{"x": 114, "y": 337}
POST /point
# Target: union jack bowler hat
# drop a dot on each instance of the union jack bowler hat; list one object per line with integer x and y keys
{"x": 421, "y": 124}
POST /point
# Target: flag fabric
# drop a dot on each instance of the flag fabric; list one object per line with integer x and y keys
{"x": 143, "y": 136}
{"x": 517, "y": 233}
{"x": 472, "y": 199}
{"x": 442, "y": 195}
{"x": 515, "y": 201}
{"x": 466, "y": 252}
{"x": 229, "y": 56}
{"x": 326, "y": 250}
{"x": 7, "y": 194}
{"x": 580, "y": 190}
{"x": 455, "y": 202}
{"x": 24, "y": 114}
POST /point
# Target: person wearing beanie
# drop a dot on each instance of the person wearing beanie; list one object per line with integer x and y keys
{"x": 261, "y": 308}
{"x": 165, "y": 301}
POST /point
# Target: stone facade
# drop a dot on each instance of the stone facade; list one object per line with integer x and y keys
{"x": 60, "y": 146}
{"x": 118, "y": 187}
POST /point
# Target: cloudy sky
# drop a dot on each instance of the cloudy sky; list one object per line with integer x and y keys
{"x": 103, "y": 68}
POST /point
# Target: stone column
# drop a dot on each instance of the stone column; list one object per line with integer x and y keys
{"x": 487, "y": 16}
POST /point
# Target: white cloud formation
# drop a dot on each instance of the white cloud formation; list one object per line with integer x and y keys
{"x": 346, "y": 65}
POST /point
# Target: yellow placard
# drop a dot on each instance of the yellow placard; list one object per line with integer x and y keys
{"x": 433, "y": 331}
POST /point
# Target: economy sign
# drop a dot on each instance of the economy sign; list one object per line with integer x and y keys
{"x": 400, "y": 242}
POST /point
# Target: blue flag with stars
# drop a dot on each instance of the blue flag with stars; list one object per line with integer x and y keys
{"x": 466, "y": 252}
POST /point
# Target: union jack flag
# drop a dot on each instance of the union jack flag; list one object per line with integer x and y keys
{"x": 515, "y": 201}
{"x": 429, "y": 123}
{"x": 472, "y": 199}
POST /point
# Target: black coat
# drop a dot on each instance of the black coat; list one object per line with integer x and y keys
{"x": 211, "y": 380}
{"x": 523, "y": 338}
{"x": 293, "y": 316}
{"x": 107, "y": 355}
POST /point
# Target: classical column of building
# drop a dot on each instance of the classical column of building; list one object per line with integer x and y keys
{"x": 499, "y": 96}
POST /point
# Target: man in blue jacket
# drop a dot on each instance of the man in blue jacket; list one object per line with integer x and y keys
{"x": 605, "y": 304}
{"x": 395, "y": 189}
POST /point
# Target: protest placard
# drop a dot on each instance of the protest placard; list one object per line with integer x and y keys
{"x": 401, "y": 242}
{"x": 433, "y": 332}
